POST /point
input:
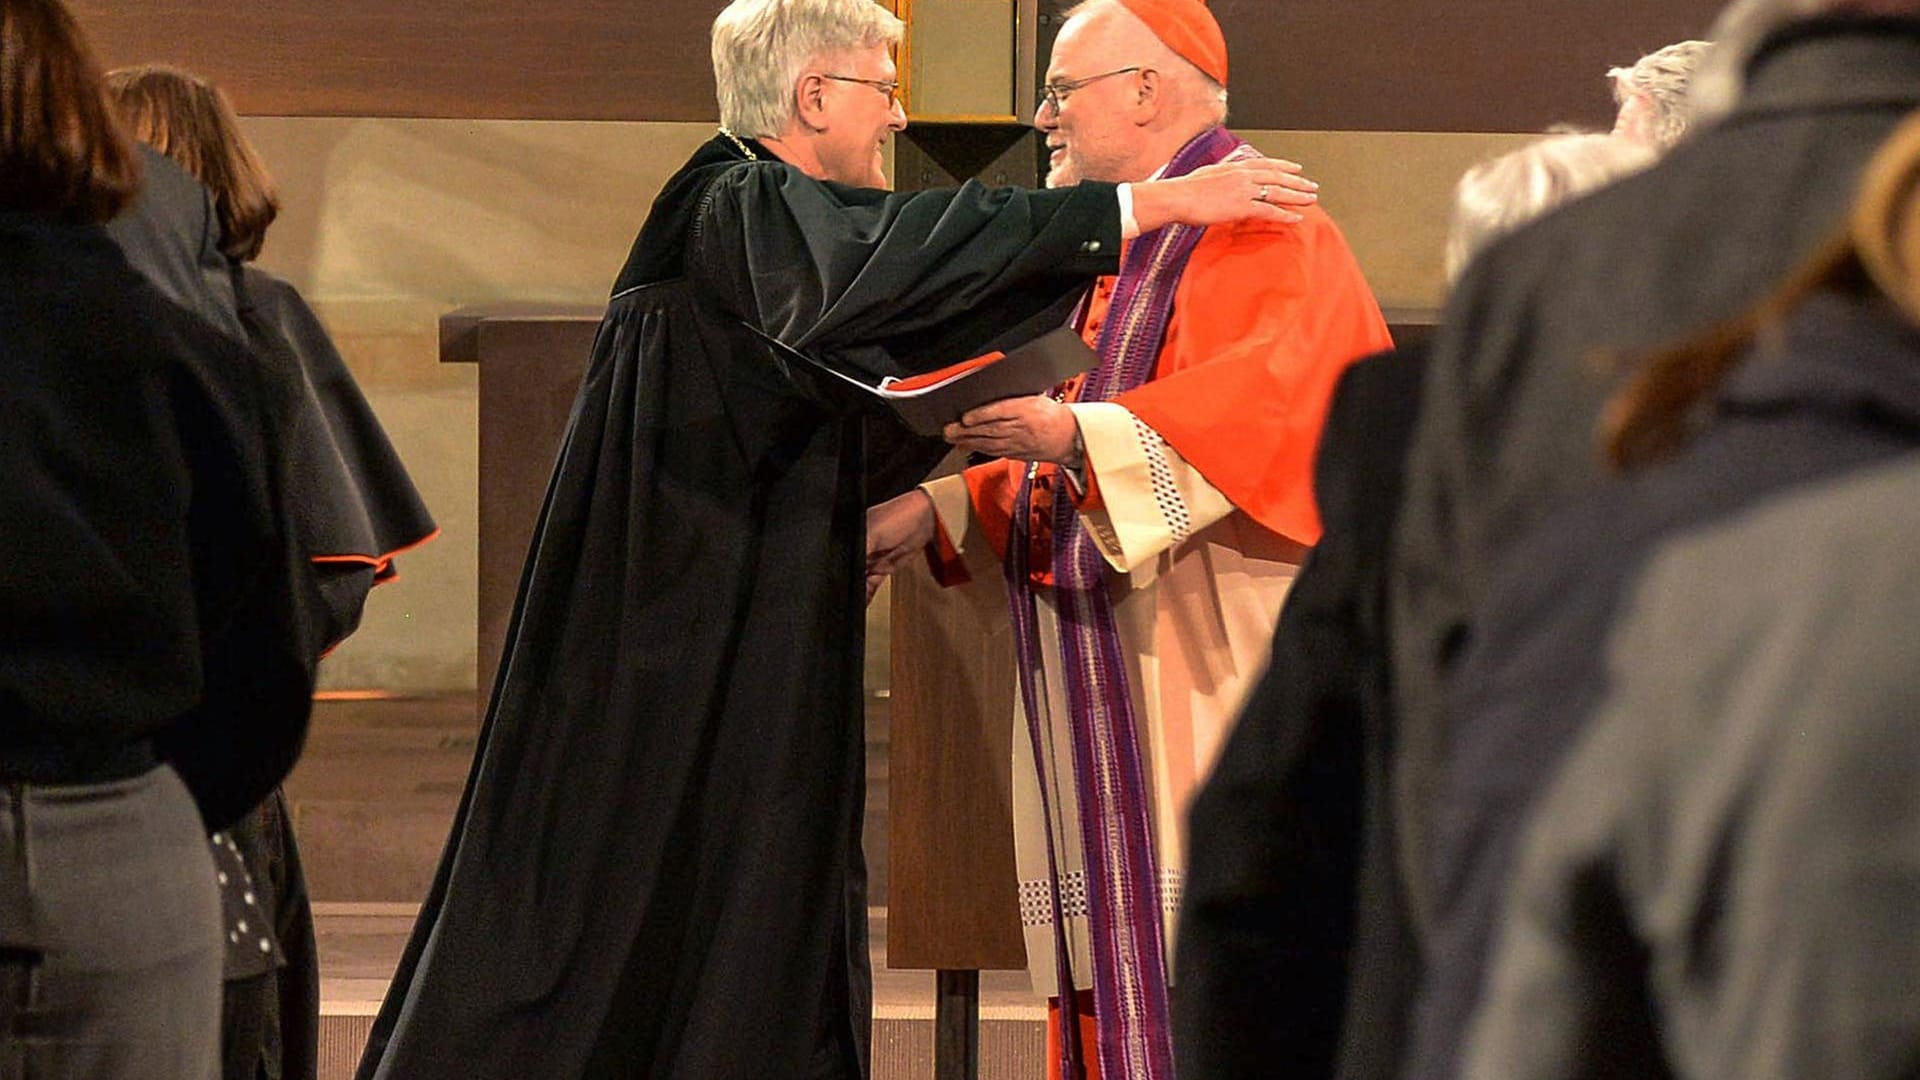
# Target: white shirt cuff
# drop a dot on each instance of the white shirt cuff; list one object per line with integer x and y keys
{"x": 1129, "y": 226}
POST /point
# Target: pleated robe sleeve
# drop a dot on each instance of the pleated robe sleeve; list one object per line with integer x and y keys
{"x": 895, "y": 283}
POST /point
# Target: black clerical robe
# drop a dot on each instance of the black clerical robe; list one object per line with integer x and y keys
{"x": 656, "y": 868}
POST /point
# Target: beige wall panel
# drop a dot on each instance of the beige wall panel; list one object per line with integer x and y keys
{"x": 503, "y": 59}
{"x": 962, "y": 57}
{"x": 462, "y": 211}
{"x": 1391, "y": 192}
{"x": 418, "y": 631}
{"x": 387, "y": 225}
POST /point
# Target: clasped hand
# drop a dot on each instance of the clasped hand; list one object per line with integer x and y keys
{"x": 1023, "y": 428}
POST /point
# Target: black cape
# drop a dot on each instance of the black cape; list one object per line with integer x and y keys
{"x": 354, "y": 506}
{"x": 656, "y": 867}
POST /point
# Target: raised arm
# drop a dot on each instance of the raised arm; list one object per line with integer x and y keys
{"x": 933, "y": 276}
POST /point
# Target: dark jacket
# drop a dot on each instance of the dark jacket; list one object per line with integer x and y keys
{"x": 1295, "y": 954}
{"x": 171, "y": 235}
{"x": 1720, "y": 884}
{"x": 152, "y": 598}
{"x": 1518, "y": 378}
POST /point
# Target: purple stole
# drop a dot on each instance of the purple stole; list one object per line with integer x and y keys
{"x": 1123, "y": 881}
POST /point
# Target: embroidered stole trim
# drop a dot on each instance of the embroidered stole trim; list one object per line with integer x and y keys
{"x": 1126, "y": 924}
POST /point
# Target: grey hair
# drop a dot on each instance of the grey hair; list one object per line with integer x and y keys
{"x": 1664, "y": 76}
{"x": 1205, "y": 85}
{"x": 1740, "y": 29}
{"x": 762, "y": 47}
{"x": 1498, "y": 196}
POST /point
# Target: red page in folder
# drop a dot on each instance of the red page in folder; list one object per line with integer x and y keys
{"x": 935, "y": 378}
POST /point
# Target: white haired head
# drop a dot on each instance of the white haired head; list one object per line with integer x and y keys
{"x": 1197, "y": 87}
{"x": 1655, "y": 106}
{"x": 1498, "y": 196}
{"x": 762, "y": 47}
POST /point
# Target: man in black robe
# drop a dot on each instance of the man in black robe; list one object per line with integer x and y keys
{"x": 656, "y": 868}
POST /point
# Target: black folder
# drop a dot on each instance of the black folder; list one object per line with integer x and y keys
{"x": 928, "y": 402}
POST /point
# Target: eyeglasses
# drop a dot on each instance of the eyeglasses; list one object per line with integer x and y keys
{"x": 889, "y": 87}
{"x": 1052, "y": 94}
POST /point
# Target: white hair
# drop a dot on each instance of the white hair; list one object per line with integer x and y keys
{"x": 762, "y": 47}
{"x": 1498, "y": 196}
{"x": 1664, "y": 77}
{"x": 1202, "y": 85}
{"x": 1738, "y": 32}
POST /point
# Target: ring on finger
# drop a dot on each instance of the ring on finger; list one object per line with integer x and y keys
{"x": 1261, "y": 195}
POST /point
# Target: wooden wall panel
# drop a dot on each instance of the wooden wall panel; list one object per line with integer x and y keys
{"x": 1327, "y": 65}
{"x": 494, "y": 59}
{"x": 953, "y": 899}
{"x": 1468, "y": 65}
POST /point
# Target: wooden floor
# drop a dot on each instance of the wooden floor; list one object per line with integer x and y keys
{"x": 373, "y": 799}
{"x": 360, "y": 944}
{"x": 375, "y": 792}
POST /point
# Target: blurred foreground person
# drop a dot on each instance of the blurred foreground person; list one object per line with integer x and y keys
{"x": 1296, "y": 951}
{"x": 355, "y": 508}
{"x": 1720, "y": 882}
{"x": 1513, "y": 390}
{"x": 154, "y": 652}
{"x": 656, "y": 869}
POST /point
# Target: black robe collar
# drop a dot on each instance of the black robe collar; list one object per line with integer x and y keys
{"x": 659, "y": 251}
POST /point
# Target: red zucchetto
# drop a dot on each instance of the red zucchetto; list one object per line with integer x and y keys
{"x": 1189, "y": 29}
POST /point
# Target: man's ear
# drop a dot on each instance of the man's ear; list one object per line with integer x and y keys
{"x": 1150, "y": 98}
{"x": 810, "y": 102}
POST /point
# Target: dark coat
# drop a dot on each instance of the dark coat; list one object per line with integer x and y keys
{"x": 1295, "y": 954}
{"x": 1518, "y": 374}
{"x": 154, "y": 601}
{"x": 171, "y": 235}
{"x": 354, "y": 505}
{"x": 1721, "y": 881}
{"x": 656, "y": 869}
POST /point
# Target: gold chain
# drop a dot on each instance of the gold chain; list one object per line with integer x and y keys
{"x": 738, "y": 145}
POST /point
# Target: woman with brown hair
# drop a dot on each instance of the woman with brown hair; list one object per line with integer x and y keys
{"x": 1683, "y": 792}
{"x": 355, "y": 508}
{"x": 154, "y": 673}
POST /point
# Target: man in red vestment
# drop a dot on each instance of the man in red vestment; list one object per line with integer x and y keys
{"x": 1148, "y": 519}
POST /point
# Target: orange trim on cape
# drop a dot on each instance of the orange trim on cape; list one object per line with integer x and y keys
{"x": 382, "y": 571}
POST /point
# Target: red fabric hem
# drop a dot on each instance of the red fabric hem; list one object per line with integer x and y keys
{"x": 383, "y": 572}
{"x": 1089, "y": 1039}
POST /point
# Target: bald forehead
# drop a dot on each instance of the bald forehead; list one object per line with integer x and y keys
{"x": 1099, "y": 34}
